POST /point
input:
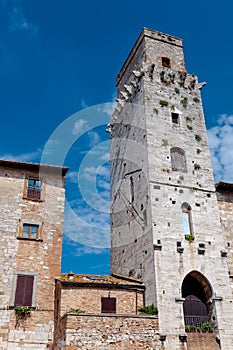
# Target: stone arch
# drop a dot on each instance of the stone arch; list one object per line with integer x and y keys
{"x": 197, "y": 292}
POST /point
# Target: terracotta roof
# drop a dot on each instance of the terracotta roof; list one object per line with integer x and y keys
{"x": 32, "y": 166}
{"x": 87, "y": 279}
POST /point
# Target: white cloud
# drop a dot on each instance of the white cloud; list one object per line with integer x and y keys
{"x": 17, "y": 18}
{"x": 109, "y": 108}
{"x": 105, "y": 157}
{"x": 72, "y": 176}
{"x": 221, "y": 148}
{"x": 23, "y": 157}
{"x": 80, "y": 250}
{"x": 78, "y": 126}
{"x": 84, "y": 250}
{"x": 90, "y": 173}
{"x": 86, "y": 226}
{"x": 94, "y": 138}
{"x": 83, "y": 104}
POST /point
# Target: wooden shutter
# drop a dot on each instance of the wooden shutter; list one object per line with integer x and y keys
{"x": 24, "y": 290}
{"x": 108, "y": 305}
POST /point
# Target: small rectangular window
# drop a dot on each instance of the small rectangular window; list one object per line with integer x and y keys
{"x": 30, "y": 231}
{"x": 34, "y": 188}
{"x": 175, "y": 118}
{"x": 108, "y": 305}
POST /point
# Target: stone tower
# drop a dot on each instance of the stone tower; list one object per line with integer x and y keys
{"x": 165, "y": 224}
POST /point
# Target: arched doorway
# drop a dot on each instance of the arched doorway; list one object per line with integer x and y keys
{"x": 198, "y": 307}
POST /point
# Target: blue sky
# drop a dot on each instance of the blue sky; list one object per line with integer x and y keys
{"x": 58, "y": 57}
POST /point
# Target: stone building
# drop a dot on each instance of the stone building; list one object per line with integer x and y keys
{"x": 165, "y": 219}
{"x": 171, "y": 228}
{"x": 32, "y": 212}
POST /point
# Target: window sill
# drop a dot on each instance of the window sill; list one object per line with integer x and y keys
{"x": 12, "y": 307}
{"x": 30, "y": 239}
{"x": 34, "y": 199}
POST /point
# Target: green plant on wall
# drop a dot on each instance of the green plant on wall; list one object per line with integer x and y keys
{"x": 163, "y": 103}
{"x": 155, "y": 110}
{"x": 184, "y": 102}
{"x": 21, "y": 314}
{"x": 197, "y": 138}
{"x": 164, "y": 142}
{"x": 197, "y": 166}
{"x": 189, "y": 127}
{"x": 207, "y": 327}
{"x": 189, "y": 238}
{"x": 188, "y": 119}
{"x": 150, "y": 310}
{"x": 77, "y": 311}
{"x": 196, "y": 99}
{"x": 177, "y": 91}
{"x": 198, "y": 150}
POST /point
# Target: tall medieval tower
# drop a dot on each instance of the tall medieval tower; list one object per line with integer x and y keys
{"x": 165, "y": 225}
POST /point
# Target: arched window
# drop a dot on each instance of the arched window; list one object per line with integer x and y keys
{"x": 187, "y": 219}
{"x": 178, "y": 159}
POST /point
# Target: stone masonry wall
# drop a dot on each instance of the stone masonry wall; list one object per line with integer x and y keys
{"x": 100, "y": 332}
{"x": 41, "y": 257}
{"x": 162, "y": 190}
{"x": 225, "y": 203}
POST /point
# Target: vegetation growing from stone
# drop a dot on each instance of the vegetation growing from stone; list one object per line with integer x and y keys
{"x": 155, "y": 110}
{"x": 197, "y": 166}
{"x": 197, "y": 138}
{"x": 77, "y": 311}
{"x": 177, "y": 91}
{"x": 189, "y": 127}
{"x": 150, "y": 310}
{"x": 164, "y": 142}
{"x": 22, "y": 312}
{"x": 196, "y": 99}
{"x": 163, "y": 103}
{"x": 206, "y": 327}
{"x": 198, "y": 150}
{"x": 189, "y": 238}
{"x": 189, "y": 119}
{"x": 184, "y": 102}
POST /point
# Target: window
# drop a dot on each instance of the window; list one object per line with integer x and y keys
{"x": 166, "y": 62}
{"x": 108, "y": 305}
{"x": 178, "y": 159}
{"x": 187, "y": 219}
{"x": 24, "y": 289}
{"x": 132, "y": 189}
{"x": 175, "y": 118}
{"x": 32, "y": 188}
{"x": 30, "y": 231}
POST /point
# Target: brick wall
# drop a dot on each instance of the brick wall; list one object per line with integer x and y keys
{"x": 88, "y": 299}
